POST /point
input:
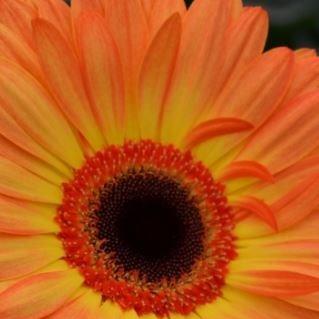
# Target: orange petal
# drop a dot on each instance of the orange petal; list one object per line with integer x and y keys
{"x": 158, "y": 11}
{"x": 31, "y": 106}
{"x": 17, "y": 16}
{"x": 213, "y": 128}
{"x": 245, "y": 41}
{"x": 246, "y": 169}
{"x": 39, "y": 295}
{"x": 56, "y": 12}
{"x": 156, "y": 74}
{"x": 309, "y": 301}
{"x": 15, "y": 154}
{"x": 13, "y": 132}
{"x": 249, "y": 306}
{"x": 64, "y": 77}
{"x": 84, "y": 307}
{"x": 104, "y": 75}
{"x": 17, "y": 182}
{"x": 273, "y": 283}
{"x": 14, "y": 47}
{"x": 79, "y": 7}
{"x": 257, "y": 207}
{"x": 198, "y": 63}
{"x": 19, "y": 219}
{"x": 288, "y": 136}
{"x": 255, "y": 93}
{"x": 15, "y": 252}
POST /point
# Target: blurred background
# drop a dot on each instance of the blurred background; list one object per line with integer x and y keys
{"x": 293, "y": 23}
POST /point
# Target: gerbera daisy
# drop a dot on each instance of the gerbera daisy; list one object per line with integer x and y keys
{"x": 155, "y": 163}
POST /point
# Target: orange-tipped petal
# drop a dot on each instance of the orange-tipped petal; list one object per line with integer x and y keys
{"x": 104, "y": 75}
{"x": 214, "y": 128}
{"x": 156, "y": 74}
{"x": 20, "y": 219}
{"x": 17, "y": 182}
{"x": 38, "y": 296}
{"x": 288, "y": 136}
{"x": 246, "y": 169}
{"x": 65, "y": 80}
{"x": 15, "y": 252}
{"x": 31, "y": 106}
{"x": 259, "y": 208}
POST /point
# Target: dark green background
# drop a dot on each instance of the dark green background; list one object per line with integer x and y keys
{"x": 293, "y": 23}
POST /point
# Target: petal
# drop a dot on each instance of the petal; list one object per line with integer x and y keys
{"x": 21, "y": 219}
{"x": 310, "y": 301}
{"x": 291, "y": 134}
{"x": 16, "y": 252}
{"x": 17, "y": 182}
{"x": 214, "y": 128}
{"x": 198, "y": 63}
{"x": 14, "y": 47}
{"x": 39, "y": 295}
{"x": 271, "y": 283}
{"x": 56, "y": 12}
{"x": 17, "y": 15}
{"x": 64, "y": 77}
{"x": 158, "y": 11}
{"x": 104, "y": 75}
{"x": 10, "y": 129}
{"x": 248, "y": 306}
{"x": 84, "y": 307}
{"x": 15, "y": 154}
{"x": 156, "y": 74}
{"x": 31, "y": 106}
{"x": 110, "y": 310}
{"x": 78, "y": 7}
{"x": 245, "y": 41}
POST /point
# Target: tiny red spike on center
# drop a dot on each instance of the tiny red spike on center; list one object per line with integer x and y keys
{"x": 148, "y": 228}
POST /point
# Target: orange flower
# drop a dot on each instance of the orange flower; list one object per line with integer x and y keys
{"x": 154, "y": 163}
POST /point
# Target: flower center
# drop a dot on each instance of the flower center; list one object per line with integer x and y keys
{"x": 150, "y": 222}
{"x": 148, "y": 228}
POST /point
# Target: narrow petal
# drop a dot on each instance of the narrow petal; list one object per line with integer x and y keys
{"x": 104, "y": 75}
{"x": 288, "y": 136}
{"x": 64, "y": 77}
{"x": 28, "y": 102}
{"x": 309, "y": 301}
{"x": 19, "y": 219}
{"x": 16, "y": 252}
{"x": 258, "y": 207}
{"x": 110, "y": 310}
{"x": 78, "y": 7}
{"x": 84, "y": 307}
{"x": 39, "y": 295}
{"x": 17, "y": 182}
{"x": 156, "y": 74}
{"x": 213, "y": 128}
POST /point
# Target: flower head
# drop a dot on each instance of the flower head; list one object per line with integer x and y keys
{"x": 155, "y": 162}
